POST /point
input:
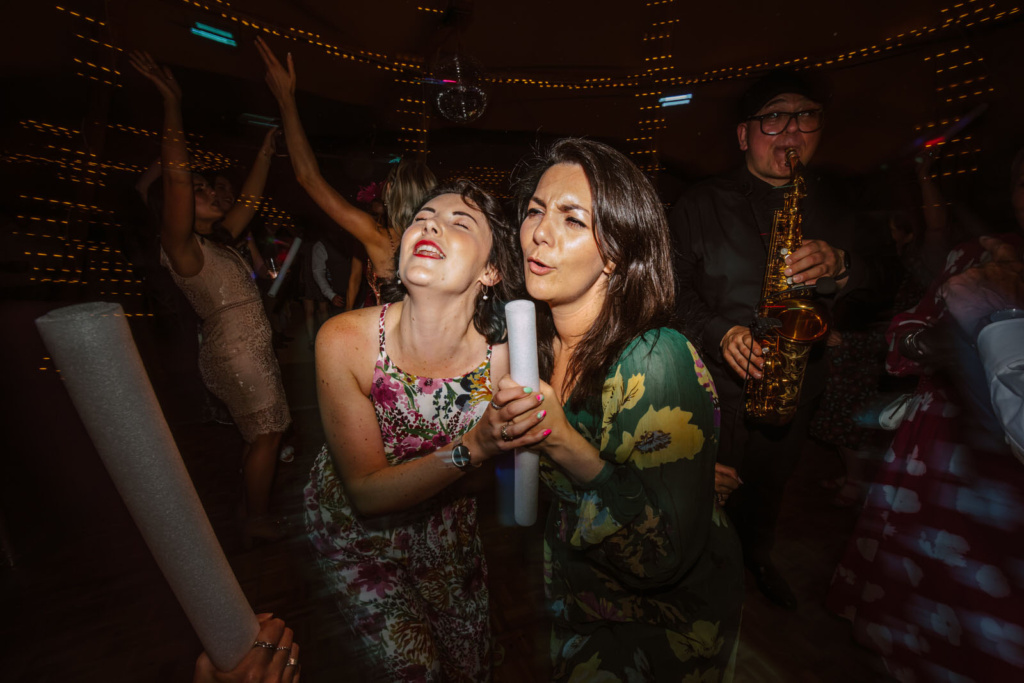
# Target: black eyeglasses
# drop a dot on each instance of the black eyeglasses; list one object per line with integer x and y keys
{"x": 774, "y": 123}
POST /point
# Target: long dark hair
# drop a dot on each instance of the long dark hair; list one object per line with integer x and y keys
{"x": 505, "y": 256}
{"x": 632, "y": 234}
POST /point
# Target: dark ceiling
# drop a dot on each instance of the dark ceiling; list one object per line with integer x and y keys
{"x": 892, "y": 67}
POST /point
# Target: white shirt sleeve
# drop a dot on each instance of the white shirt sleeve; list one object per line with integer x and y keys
{"x": 1001, "y": 348}
{"x": 320, "y": 270}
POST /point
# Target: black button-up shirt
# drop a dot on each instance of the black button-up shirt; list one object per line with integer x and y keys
{"x": 720, "y": 230}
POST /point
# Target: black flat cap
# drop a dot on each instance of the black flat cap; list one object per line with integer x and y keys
{"x": 778, "y": 82}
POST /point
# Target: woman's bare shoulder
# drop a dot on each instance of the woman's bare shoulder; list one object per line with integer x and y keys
{"x": 349, "y": 340}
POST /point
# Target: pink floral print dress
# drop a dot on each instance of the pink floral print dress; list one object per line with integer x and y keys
{"x": 414, "y": 583}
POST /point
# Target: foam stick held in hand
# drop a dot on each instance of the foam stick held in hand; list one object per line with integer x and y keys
{"x": 279, "y": 280}
{"x": 521, "y": 317}
{"x": 94, "y": 350}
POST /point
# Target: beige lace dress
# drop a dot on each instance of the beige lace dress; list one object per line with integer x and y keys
{"x": 236, "y": 357}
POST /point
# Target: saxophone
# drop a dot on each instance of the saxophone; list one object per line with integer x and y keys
{"x": 787, "y": 322}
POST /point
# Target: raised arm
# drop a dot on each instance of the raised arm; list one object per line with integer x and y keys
{"x": 359, "y": 223}
{"x": 259, "y": 266}
{"x": 241, "y": 214}
{"x": 355, "y": 279}
{"x": 147, "y": 178}
{"x": 178, "y": 217}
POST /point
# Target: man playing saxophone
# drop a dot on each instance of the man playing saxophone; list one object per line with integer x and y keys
{"x": 721, "y": 229}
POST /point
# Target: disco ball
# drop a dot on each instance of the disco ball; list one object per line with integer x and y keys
{"x": 460, "y": 103}
{"x": 459, "y": 98}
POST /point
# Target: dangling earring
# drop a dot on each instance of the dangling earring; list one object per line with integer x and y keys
{"x": 485, "y": 293}
{"x": 398, "y": 278}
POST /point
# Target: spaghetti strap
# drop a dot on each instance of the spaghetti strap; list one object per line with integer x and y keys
{"x": 380, "y": 333}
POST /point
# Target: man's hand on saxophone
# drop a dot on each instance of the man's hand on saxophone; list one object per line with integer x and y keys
{"x": 816, "y": 259}
{"x": 740, "y": 353}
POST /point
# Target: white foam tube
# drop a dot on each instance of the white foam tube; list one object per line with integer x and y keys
{"x": 279, "y": 280}
{"x": 93, "y": 349}
{"x": 521, "y": 317}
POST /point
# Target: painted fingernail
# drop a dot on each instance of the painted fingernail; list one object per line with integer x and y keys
{"x": 541, "y": 414}
{"x": 545, "y": 432}
{"x": 540, "y": 397}
{"x": 527, "y": 390}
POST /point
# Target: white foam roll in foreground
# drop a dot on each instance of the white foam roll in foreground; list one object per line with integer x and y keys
{"x": 521, "y": 316}
{"x": 275, "y": 286}
{"x": 93, "y": 348}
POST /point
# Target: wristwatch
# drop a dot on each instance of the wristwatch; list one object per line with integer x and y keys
{"x": 461, "y": 459}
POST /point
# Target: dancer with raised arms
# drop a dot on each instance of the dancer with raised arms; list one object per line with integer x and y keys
{"x": 236, "y": 358}
{"x": 404, "y": 188}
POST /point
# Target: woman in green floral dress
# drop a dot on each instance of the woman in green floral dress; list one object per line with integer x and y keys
{"x": 642, "y": 571}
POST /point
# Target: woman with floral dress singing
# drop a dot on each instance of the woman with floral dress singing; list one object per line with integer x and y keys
{"x": 642, "y": 571}
{"x": 401, "y": 387}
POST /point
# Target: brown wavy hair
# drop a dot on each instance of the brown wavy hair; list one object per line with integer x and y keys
{"x": 632, "y": 234}
{"x": 505, "y": 256}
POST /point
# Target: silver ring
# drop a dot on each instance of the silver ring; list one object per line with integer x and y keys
{"x": 504, "y": 433}
{"x": 264, "y": 644}
{"x": 278, "y": 649}
{"x": 497, "y": 406}
{"x": 292, "y": 661}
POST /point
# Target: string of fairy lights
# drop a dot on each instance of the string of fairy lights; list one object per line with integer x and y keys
{"x": 46, "y": 225}
{"x": 961, "y": 15}
{"x": 65, "y": 242}
{"x": 961, "y": 82}
{"x": 85, "y": 167}
{"x": 57, "y": 258}
{"x": 657, "y": 65}
{"x": 491, "y": 178}
{"x": 657, "y": 73}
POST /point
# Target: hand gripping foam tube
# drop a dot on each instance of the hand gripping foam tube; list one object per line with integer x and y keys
{"x": 521, "y": 317}
{"x": 93, "y": 348}
{"x": 279, "y": 280}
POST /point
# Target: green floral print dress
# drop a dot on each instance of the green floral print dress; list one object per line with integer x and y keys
{"x": 642, "y": 570}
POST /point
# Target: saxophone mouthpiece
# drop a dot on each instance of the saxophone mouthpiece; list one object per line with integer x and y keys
{"x": 793, "y": 158}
